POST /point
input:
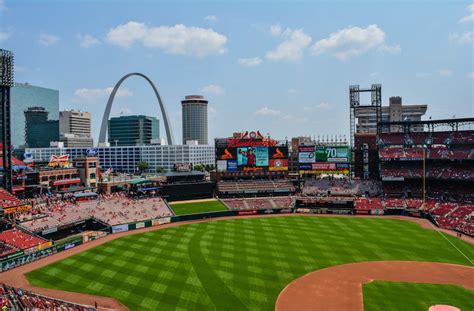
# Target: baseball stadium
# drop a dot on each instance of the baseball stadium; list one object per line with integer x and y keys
{"x": 384, "y": 224}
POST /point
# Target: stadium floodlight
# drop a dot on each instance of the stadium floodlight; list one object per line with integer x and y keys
{"x": 6, "y": 68}
{"x": 6, "y": 82}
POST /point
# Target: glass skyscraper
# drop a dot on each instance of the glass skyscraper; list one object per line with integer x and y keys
{"x": 133, "y": 130}
{"x": 24, "y": 96}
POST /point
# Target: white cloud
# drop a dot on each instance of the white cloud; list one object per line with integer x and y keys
{"x": 3, "y": 7}
{"x": 470, "y": 75}
{"x": 463, "y": 38}
{"x": 470, "y": 16}
{"x": 320, "y": 106}
{"x": 445, "y": 72}
{"x": 275, "y": 30}
{"x": 265, "y": 111}
{"x": 4, "y": 36}
{"x": 125, "y": 111}
{"x": 211, "y": 18}
{"x": 250, "y": 62}
{"x": 213, "y": 89}
{"x": 91, "y": 95}
{"x": 47, "y": 39}
{"x": 291, "y": 49}
{"x": 291, "y": 91}
{"x": 373, "y": 74}
{"x": 87, "y": 41}
{"x": 353, "y": 41}
{"x": 178, "y": 39}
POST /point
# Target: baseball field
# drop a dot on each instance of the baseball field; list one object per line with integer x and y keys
{"x": 198, "y": 206}
{"x": 243, "y": 264}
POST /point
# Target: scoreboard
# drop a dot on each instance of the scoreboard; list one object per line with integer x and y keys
{"x": 253, "y": 154}
{"x": 323, "y": 159}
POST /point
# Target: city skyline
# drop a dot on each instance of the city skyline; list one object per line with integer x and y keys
{"x": 260, "y": 69}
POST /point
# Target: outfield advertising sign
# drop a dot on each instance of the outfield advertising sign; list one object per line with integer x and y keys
{"x": 323, "y": 159}
{"x": 120, "y": 228}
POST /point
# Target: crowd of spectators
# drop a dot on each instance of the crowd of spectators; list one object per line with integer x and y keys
{"x": 50, "y": 212}
{"x": 340, "y": 187}
{"x": 118, "y": 208}
{"x": 17, "y": 299}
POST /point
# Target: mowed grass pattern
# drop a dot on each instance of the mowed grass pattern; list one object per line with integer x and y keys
{"x": 237, "y": 264}
{"x": 197, "y": 207}
{"x": 394, "y": 296}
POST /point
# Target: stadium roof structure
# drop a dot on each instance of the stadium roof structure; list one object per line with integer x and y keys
{"x": 454, "y": 123}
{"x": 140, "y": 181}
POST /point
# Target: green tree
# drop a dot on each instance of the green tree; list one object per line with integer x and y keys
{"x": 199, "y": 167}
{"x": 160, "y": 170}
{"x": 142, "y": 166}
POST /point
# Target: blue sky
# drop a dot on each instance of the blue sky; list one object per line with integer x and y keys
{"x": 283, "y": 68}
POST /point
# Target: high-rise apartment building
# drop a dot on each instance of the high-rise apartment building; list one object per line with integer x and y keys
{"x": 75, "y": 128}
{"x": 395, "y": 111}
{"x": 133, "y": 130}
{"x": 194, "y": 118}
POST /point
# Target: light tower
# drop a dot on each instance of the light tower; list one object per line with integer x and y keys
{"x": 6, "y": 82}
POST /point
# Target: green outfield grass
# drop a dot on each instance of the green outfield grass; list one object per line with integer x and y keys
{"x": 394, "y": 296}
{"x": 237, "y": 264}
{"x": 198, "y": 207}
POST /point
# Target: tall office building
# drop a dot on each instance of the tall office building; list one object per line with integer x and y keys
{"x": 194, "y": 119}
{"x": 75, "y": 128}
{"x": 23, "y": 96}
{"x": 39, "y": 131}
{"x": 395, "y": 111}
{"x": 133, "y": 130}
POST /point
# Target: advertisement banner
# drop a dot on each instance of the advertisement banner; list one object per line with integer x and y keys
{"x": 323, "y": 166}
{"x": 306, "y": 157}
{"x": 221, "y": 165}
{"x": 278, "y": 165}
{"x": 232, "y": 166}
{"x": 250, "y": 212}
{"x": 262, "y": 156}
{"x": 14, "y": 209}
{"x": 226, "y": 153}
{"x": 332, "y": 154}
{"x": 140, "y": 225}
{"x": 306, "y": 148}
{"x": 278, "y": 152}
{"x": 165, "y": 220}
{"x": 305, "y": 166}
{"x": 119, "y": 228}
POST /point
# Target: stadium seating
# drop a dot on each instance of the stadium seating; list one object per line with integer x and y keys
{"x": 19, "y": 239}
{"x": 368, "y": 204}
{"x": 18, "y": 299}
{"x": 7, "y": 199}
{"x": 259, "y": 203}
{"x": 6, "y": 249}
{"x": 255, "y": 186}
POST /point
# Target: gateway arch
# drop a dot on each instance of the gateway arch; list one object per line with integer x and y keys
{"x": 105, "y": 118}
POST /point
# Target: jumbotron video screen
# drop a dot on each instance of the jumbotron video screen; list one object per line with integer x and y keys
{"x": 252, "y": 152}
